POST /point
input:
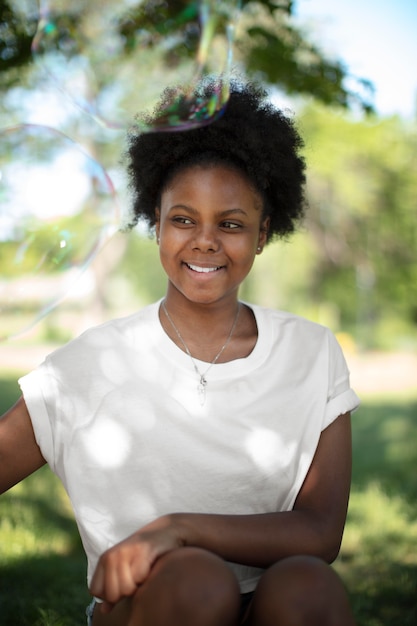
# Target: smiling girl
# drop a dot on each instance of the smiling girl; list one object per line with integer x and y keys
{"x": 204, "y": 442}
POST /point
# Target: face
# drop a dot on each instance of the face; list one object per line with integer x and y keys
{"x": 209, "y": 229}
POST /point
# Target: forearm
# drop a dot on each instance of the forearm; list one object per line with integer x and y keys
{"x": 260, "y": 540}
{"x": 315, "y": 525}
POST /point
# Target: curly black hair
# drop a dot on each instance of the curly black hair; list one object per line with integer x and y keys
{"x": 251, "y": 136}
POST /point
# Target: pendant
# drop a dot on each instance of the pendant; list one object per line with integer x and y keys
{"x": 202, "y": 390}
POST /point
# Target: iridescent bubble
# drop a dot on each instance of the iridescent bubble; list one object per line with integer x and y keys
{"x": 57, "y": 210}
{"x": 113, "y": 59}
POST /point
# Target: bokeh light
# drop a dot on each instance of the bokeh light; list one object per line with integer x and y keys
{"x": 57, "y": 210}
{"x": 114, "y": 58}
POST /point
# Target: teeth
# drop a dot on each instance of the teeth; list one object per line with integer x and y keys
{"x": 205, "y": 270}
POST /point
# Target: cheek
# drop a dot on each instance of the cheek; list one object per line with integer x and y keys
{"x": 247, "y": 246}
{"x": 243, "y": 257}
{"x": 166, "y": 262}
{"x": 167, "y": 234}
{"x": 170, "y": 247}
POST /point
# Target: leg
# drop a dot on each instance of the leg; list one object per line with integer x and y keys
{"x": 300, "y": 591}
{"x": 187, "y": 587}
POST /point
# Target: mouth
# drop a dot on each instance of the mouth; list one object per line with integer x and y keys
{"x": 203, "y": 270}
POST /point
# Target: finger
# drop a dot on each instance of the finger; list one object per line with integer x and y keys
{"x": 125, "y": 580}
{"x": 97, "y": 581}
{"x": 104, "y": 584}
{"x": 112, "y": 579}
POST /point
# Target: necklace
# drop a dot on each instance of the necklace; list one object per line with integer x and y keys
{"x": 201, "y": 387}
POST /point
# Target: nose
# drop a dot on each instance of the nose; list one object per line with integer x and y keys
{"x": 206, "y": 239}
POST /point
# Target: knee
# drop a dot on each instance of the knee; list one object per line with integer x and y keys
{"x": 304, "y": 572}
{"x": 302, "y": 590}
{"x": 198, "y": 572}
{"x": 194, "y": 584}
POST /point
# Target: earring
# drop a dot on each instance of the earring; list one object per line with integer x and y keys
{"x": 259, "y": 249}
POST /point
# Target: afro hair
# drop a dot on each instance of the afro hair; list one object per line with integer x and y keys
{"x": 250, "y": 135}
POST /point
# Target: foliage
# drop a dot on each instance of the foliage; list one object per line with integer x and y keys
{"x": 269, "y": 44}
{"x": 42, "y": 246}
{"x": 140, "y": 267}
{"x": 354, "y": 265}
{"x": 17, "y": 29}
{"x": 362, "y": 190}
{"x": 377, "y": 561}
{"x": 42, "y": 566}
{"x": 278, "y": 52}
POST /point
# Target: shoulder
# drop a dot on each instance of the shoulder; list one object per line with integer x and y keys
{"x": 116, "y": 334}
{"x": 285, "y": 335}
{"x": 289, "y": 323}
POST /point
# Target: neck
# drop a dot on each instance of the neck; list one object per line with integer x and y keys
{"x": 201, "y": 329}
{"x": 210, "y": 318}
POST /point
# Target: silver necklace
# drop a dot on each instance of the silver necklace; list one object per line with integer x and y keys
{"x": 202, "y": 384}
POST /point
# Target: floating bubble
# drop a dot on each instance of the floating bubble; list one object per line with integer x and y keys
{"x": 57, "y": 210}
{"x": 113, "y": 58}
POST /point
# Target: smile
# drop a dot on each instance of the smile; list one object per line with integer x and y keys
{"x": 203, "y": 270}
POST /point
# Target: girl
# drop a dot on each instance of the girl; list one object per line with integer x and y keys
{"x": 204, "y": 442}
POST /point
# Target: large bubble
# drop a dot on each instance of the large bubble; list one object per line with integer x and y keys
{"x": 57, "y": 210}
{"x": 113, "y": 58}
{"x": 106, "y": 61}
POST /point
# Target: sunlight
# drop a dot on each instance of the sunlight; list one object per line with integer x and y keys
{"x": 264, "y": 448}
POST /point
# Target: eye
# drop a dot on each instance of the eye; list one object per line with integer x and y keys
{"x": 230, "y": 225}
{"x": 181, "y": 220}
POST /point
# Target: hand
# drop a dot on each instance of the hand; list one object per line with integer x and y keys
{"x": 125, "y": 566}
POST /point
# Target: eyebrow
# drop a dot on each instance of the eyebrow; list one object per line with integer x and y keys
{"x": 193, "y": 211}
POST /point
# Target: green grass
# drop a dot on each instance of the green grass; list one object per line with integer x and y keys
{"x": 378, "y": 560}
{"x": 42, "y": 564}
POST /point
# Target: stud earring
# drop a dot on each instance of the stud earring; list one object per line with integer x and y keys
{"x": 259, "y": 249}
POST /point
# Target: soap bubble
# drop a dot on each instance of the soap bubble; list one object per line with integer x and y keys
{"x": 57, "y": 209}
{"x": 114, "y": 58}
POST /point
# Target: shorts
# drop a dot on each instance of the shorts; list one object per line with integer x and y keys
{"x": 245, "y": 600}
{"x": 89, "y": 612}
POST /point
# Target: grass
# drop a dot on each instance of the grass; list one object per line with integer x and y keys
{"x": 42, "y": 564}
{"x": 378, "y": 560}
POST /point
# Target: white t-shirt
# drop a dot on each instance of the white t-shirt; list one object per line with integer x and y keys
{"x": 117, "y": 415}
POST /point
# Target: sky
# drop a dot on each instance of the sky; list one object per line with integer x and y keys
{"x": 377, "y": 40}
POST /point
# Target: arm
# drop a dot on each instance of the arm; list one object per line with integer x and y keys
{"x": 19, "y": 453}
{"x": 314, "y": 526}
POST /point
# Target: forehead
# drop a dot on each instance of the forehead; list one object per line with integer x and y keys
{"x": 219, "y": 179}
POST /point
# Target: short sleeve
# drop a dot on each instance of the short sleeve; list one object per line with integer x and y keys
{"x": 341, "y": 397}
{"x": 33, "y": 390}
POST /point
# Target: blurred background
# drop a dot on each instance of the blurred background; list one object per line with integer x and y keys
{"x": 348, "y": 75}
{"x": 73, "y": 76}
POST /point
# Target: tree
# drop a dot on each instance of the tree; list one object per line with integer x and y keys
{"x": 16, "y": 34}
{"x": 362, "y": 190}
{"x": 268, "y": 44}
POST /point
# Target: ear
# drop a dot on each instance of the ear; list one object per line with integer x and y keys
{"x": 263, "y": 234}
